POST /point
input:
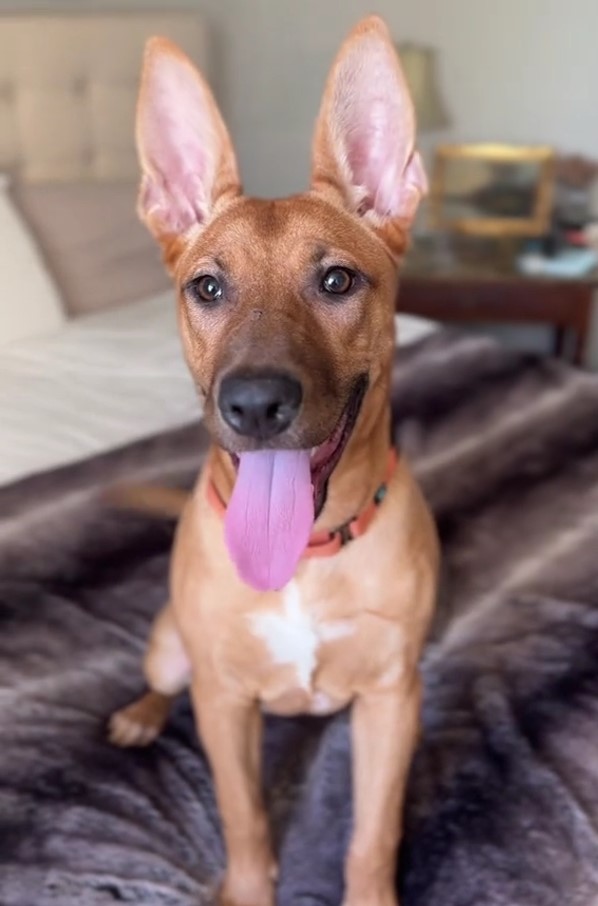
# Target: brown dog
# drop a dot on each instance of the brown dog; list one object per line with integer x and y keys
{"x": 304, "y": 571}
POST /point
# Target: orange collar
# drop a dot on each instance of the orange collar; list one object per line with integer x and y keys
{"x": 326, "y": 544}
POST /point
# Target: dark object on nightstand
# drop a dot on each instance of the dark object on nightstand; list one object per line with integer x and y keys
{"x": 452, "y": 279}
{"x": 553, "y": 242}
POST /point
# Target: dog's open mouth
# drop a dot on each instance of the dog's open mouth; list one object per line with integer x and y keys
{"x": 324, "y": 459}
{"x": 278, "y": 494}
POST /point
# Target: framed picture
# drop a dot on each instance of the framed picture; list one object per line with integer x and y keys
{"x": 493, "y": 190}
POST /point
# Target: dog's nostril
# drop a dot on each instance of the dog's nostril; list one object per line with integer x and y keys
{"x": 260, "y": 406}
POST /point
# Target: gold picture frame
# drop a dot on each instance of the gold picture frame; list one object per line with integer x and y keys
{"x": 526, "y": 196}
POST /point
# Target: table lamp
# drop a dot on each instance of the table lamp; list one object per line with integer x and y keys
{"x": 419, "y": 66}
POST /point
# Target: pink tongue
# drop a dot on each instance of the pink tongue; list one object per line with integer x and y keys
{"x": 270, "y": 516}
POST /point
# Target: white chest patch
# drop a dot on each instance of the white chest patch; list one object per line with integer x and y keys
{"x": 292, "y": 636}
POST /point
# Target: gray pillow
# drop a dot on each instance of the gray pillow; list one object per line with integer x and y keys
{"x": 98, "y": 252}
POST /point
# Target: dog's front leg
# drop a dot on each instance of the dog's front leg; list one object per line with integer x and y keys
{"x": 384, "y": 732}
{"x": 231, "y": 733}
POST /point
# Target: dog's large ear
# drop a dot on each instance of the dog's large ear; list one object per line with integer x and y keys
{"x": 187, "y": 159}
{"x": 364, "y": 145}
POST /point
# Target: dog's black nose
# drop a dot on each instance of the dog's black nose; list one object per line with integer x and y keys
{"x": 259, "y": 405}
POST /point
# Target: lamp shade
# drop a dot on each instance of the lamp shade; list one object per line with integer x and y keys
{"x": 419, "y": 66}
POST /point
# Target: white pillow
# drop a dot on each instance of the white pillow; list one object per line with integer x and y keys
{"x": 30, "y": 303}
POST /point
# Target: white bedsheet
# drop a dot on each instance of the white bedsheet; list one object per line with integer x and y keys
{"x": 100, "y": 382}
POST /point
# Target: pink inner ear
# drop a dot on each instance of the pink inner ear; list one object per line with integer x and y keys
{"x": 375, "y": 122}
{"x": 177, "y": 145}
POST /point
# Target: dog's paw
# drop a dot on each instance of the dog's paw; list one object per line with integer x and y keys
{"x": 309, "y": 899}
{"x": 383, "y": 898}
{"x": 249, "y": 888}
{"x": 260, "y": 895}
{"x": 137, "y": 724}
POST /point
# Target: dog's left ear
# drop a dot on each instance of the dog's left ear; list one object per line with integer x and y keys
{"x": 364, "y": 145}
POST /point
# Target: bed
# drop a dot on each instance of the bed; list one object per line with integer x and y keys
{"x": 101, "y": 381}
{"x": 502, "y": 805}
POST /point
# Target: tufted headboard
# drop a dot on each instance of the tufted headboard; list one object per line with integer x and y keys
{"x": 68, "y": 85}
{"x": 68, "y": 88}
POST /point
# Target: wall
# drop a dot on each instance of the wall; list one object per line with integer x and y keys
{"x": 518, "y": 70}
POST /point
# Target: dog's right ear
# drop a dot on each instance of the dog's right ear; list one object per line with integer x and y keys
{"x": 189, "y": 169}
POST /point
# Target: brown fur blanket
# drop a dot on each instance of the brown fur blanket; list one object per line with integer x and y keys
{"x": 503, "y": 798}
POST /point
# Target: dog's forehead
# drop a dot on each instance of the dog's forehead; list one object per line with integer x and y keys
{"x": 288, "y": 232}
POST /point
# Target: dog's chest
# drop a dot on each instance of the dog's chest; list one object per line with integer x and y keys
{"x": 312, "y": 657}
{"x": 294, "y": 634}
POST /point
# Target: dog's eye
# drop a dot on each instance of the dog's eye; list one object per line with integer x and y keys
{"x": 338, "y": 280}
{"x": 206, "y": 289}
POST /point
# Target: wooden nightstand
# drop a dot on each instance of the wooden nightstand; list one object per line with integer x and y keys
{"x": 477, "y": 282}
